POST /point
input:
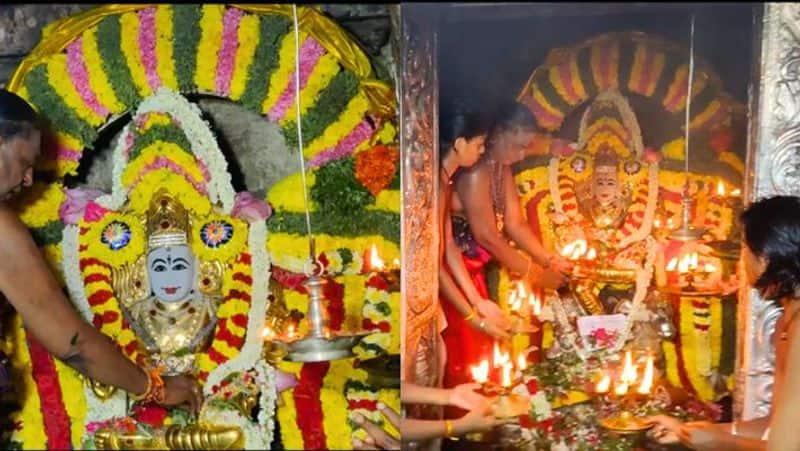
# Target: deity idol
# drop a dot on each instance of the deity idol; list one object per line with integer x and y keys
{"x": 177, "y": 314}
{"x": 602, "y": 204}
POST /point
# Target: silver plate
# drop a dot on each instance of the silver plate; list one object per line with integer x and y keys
{"x": 320, "y": 349}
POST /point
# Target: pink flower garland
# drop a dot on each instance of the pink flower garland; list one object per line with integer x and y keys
{"x": 76, "y": 67}
{"x": 346, "y": 146}
{"x": 164, "y": 162}
{"x": 227, "y": 52}
{"x": 147, "y": 46}
{"x": 310, "y": 53}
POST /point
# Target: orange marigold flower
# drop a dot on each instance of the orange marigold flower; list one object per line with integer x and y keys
{"x": 375, "y": 168}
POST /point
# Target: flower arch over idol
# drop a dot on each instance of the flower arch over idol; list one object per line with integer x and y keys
{"x": 608, "y": 195}
{"x": 173, "y": 266}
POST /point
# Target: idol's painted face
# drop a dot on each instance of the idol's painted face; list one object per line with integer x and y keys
{"x": 606, "y": 185}
{"x": 171, "y": 272}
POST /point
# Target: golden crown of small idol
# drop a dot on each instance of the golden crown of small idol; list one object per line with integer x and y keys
{"x": 167, "y": 221}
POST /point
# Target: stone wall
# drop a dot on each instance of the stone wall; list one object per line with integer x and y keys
{"x": 21, "y": 27}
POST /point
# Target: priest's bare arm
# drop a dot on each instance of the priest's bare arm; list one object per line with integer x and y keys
{"x": 516, "y": 226}
{"x": 34, "y": 292}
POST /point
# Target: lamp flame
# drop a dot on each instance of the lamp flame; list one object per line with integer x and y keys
{"x": 647, "y": 379}
{"x": 507, "y": 374}
{"x": 721, "y": 188}
{"x": 480, "y": 373}
{"x": 267, "y": 332}
{"x": 375, "y": 261}
{"x": 621, "y": 388}
{"x": 629, "y": 370}
{"x": 521, "y": 362}
{"x": 603, "y": 384}
{"x": 536, "y": 304}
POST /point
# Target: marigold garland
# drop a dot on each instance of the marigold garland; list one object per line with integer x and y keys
{"x": 375, "y": 168}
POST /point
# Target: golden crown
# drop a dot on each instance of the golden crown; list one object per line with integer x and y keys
{"x": 167, "y": 221}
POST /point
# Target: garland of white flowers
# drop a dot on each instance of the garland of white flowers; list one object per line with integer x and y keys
{"x": 203, "y": 145}
{"x": 97, "y": 410}
{"x": 260, "y": 435}
{"x": 251, "y": 351}
{"x": 334, "y": 268}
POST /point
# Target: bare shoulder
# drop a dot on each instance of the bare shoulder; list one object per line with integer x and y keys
{"x": 470, "y": 177}
{"x": 14, "y": 236}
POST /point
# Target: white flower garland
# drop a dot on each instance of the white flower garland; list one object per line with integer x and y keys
{"x": 251, "y": 351}
{"x": 334, "y": 268}
{"x": 204, "y": 147}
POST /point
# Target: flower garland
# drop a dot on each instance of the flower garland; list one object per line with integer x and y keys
{"x": 376, "y": 314}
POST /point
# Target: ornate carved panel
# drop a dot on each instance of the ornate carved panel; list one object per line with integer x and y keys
{"x": 418, "y": 142}
{"x": 774, "y": 168}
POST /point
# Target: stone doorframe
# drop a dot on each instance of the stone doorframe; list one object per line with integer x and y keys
{"x": 773, "y": 167}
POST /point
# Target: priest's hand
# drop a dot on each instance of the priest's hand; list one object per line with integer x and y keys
{"x": 465, "y": 397}
{"x": 489, "y": 327}
{"x": 665, "y": 429}
{"x": 478, "y": 419}
{"x": 547, "y": 278}
{"x": 378, "y": 438}
{"x": 702, "y": 436}
{"x": 493, "y": 312}
{"x": 182, "y": 391}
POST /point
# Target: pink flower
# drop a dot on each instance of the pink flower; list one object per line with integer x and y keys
{"x": 94, "y": 212}
{"x": 561, "y": 148}
{"x": 284, "y": 381}
{"x": 72, "y": 209}
{"x": 250, "y": 208}
{"x": 652, "y": 156}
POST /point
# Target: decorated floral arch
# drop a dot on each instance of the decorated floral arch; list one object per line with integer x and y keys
{"x": 615, "y": 68}
{"x": 92, "y": 68}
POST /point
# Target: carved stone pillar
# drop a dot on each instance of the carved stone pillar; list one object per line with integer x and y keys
{"x": 419, "y": 150}
{"x": 773, "y": 165}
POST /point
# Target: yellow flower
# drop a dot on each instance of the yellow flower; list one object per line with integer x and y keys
{"x": 39, "y": 204}
{"x": 671, "y": 360}
{"x": 347, "y": 121}
{"x": 287, "y": 194}
{"x": 216, "y": 229}
{"x": 57, "y": 76}
{"x": 74, "y": 400}
{"x": 180, "y": 188}
{"x": 32, "y": 434}
{"x": 98, "y": 79}
{"x": 674, "y": 150}
{"x": 208, "y": 49}
{"x": 279, "y": 79}
{"x": 162, "y": 149}
{"x": 156, "y": 118}
{"x": 104, "y": 238}
{"x": 387, "y": 200}
{"x": 388, "y": 133}
{"x": 248, "y": 36}
{"x": 289, "y": 250}
{"x": 326, "y": 68}
{"x": 129, "y": 29}
{"x": 291, "y": 436}
{"x": 164, "y": 51}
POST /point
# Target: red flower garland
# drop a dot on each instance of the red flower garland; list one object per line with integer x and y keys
{"x": 56, "y": 421}
{"x": 308, "y": 402}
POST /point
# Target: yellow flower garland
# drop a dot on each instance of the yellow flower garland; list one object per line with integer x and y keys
{"x": 181, "y": 190}
{"x": 693, "y": 352}
{"x": 225, "y": 252}
{"x": 290, "y": 250}
{"x": 162, "y": 149}
{"x": 98, "y": 79}
{"x": 56, "y": 68}
{"x": 279, "y": 79}
{"x": 208, "y": 48}
{"x": 287, "y": 194}
{"x": 39, "y": 204}
{"x": 32, "y": 433}
{"x": 347, "y": 121}
{"x": 120, "y": 257}
{"x": 74, "y": 400}
{"x": 248, "y": 36}
{"x": 327, "y": 67}
{"x": 129, "y": 28}
{"x": 387, "y": 200}
{"x": 164, "y": 43}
